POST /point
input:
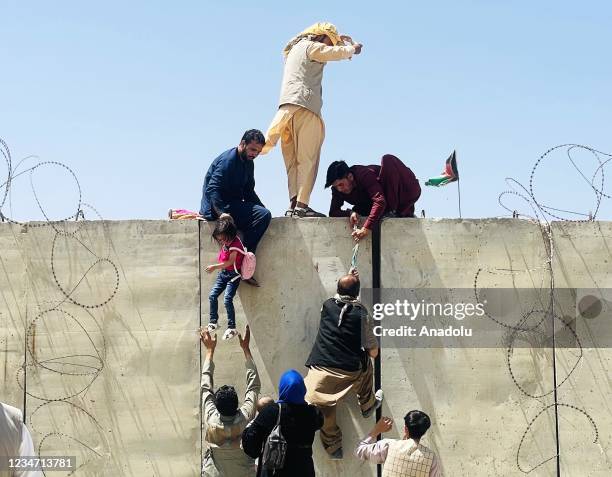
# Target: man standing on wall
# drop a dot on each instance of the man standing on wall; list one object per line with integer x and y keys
{"x": 341, "y": 361}
{"x": 298, "y": 121}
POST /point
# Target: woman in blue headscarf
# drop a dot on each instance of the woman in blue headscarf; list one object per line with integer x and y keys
{"x": 299, "y": 422}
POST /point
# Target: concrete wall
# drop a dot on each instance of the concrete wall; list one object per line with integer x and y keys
{"x": 582, "y": 259}
{"x": 13, "y": 285}
{"x": 112, "y": 372}
{"x": 478, "y": 414}
{"x": 119, "y": 369}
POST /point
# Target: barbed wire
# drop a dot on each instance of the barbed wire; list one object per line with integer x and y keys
{"x": 75, "y": 366}
{"x": 541, "y": 214}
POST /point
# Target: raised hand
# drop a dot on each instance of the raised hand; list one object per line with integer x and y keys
{"x": 384, "y": 424}
{"x": 245, "y": 342}
{"x": 208, "y": 341}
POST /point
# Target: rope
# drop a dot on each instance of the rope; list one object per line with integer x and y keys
{"x": 355, "y": 252}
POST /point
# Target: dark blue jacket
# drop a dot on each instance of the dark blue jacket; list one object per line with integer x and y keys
{"x": 229, "y": 179}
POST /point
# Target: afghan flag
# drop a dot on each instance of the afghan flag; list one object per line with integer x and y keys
{"x": 449, "y": 174}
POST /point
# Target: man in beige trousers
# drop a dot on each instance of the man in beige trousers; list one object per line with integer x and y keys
{"x": 298, "y": 123}
{"x": 340, "y": 362}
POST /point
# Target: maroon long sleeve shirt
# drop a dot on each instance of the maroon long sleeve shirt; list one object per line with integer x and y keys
{"x": 367, "y": 197}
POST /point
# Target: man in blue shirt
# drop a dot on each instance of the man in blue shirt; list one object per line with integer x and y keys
{"x": 229, "y": 187}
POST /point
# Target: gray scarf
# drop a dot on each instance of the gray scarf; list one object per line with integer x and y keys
{"x": 348, "y": 302}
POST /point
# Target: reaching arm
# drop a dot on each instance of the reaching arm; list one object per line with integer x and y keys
{"x": 322, "y": 53}
{"x": 248, "y": 408}
{"x": 222, "y": 265}
{"x": 379, "y": 203}
{"x": 208, "y": 369}
{"x": 369, "y": 449}
{"x": 206, "y": 386}
{"x": 367, "y": 181}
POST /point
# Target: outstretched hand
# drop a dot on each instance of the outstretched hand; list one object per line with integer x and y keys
{"x": 208, "y": 341}
{"x": 245, "y": 342}
{"x": 384, "y": 424}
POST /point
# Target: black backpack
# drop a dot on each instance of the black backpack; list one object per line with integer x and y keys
{"x": 275, "y": 448}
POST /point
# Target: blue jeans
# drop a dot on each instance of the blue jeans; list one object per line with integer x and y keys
{"x": 223, "y": 282}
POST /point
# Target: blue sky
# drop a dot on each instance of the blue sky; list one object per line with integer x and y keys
{"x": 139, "y": 97}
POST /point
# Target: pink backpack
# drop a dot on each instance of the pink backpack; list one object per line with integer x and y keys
{"x": 247, "y": 270}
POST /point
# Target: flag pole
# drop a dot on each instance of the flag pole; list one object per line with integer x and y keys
{"x": 448, "y": 175}
{"x": 459, "y": 195}
{"x": 458, "y": 180}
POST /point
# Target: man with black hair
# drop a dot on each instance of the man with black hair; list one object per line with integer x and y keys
{"x": 390, "y": 189}
{"x": 341, "y": 361}
{"x": 401, "y": 458}
{"x": 224, "y": 420}
{"x": 229, "y": 187}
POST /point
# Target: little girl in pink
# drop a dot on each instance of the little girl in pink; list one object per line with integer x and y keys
{"x": 228, "y": 279}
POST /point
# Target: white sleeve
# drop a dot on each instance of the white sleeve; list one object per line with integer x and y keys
{"x": 26, "y": 448}
{"x": 372, "y": 450}
{"x": 436, "y": 467}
